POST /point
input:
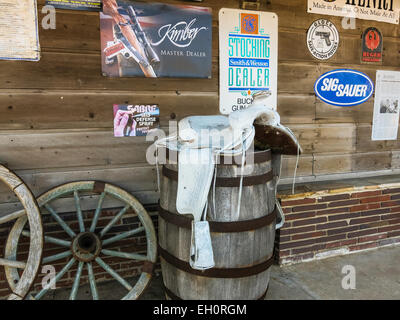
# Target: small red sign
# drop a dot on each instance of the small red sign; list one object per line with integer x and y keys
{"x": 372, "y": 45}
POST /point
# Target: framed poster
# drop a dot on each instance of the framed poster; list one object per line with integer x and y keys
{"x": 154, "y": 40}
{"x": 19, "y": 36}
{"x": 248, "y": 44}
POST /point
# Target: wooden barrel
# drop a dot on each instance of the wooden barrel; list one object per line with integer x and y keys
{"x": 243, "y": 247}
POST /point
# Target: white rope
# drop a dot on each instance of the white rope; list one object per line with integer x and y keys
{"x": 295, "y": 168}
{"x": 241, "y": 181}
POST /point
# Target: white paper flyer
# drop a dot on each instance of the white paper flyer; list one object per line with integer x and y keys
{"x": 386, "y": 107}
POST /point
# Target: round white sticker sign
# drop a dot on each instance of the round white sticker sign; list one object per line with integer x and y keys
{"x": 322, "y": 39}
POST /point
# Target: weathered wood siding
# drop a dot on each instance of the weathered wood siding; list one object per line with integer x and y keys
{"x": 56, "y": 115}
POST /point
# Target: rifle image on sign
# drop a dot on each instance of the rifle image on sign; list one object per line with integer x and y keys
{"x": 130, "y": 41}
{"x": 324, "y": 35}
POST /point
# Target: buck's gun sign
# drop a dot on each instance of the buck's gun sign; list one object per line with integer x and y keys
{"x": 248, "y": 57}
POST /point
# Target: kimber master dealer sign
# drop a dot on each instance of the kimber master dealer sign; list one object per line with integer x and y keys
{"x": 378, "y": 10}
{"x": 248, "y": 43}
{"x": 322, "y": 39}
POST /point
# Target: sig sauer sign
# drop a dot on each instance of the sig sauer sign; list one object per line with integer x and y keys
{"x": 378, "y": 10}
{"x": 248, "y": 57}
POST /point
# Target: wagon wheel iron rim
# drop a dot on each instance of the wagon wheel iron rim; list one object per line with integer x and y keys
{"x": 20, "y": 285}
{"x": 88, "y": 246}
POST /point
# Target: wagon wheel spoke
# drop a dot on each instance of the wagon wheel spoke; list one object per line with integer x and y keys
{"x": 57, "y": 256}
{"x": 77, "y": 280}
{"x": 97, "y": 212}
{"x": 12, "y": 216}
{"x": 123, "y": 235}
{"x": 55, "y": 279}
{"x": 114, "y": 220}
{"x": 79, "y": 211}
{"x": 60, "y": 221}
{"x": 92, "y": 282}
{"x": 120, "y": 254}
{"x": 48, "y": 239}
{"x": 12, "y": 263}
{"x": 114, "y": 274}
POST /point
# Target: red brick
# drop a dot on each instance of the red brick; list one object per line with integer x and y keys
{"x": 334, "y": 198}
{"x": 395, "y": 209}
{"x": 372, "y": 238}
{"x": 393, "y": 234}
{"x": 389, "y": 228}
{"x": 313, "y": 248}
{"x": 296, "y": 244}
{"x": 365, "y": 194}
{"x": 376, "y": 199}
{"x": 395, "y": 197}
{"x": 309, "y": 221}
{"x": 292, "y": 203}
{"x": 390, "y": 204}
{"x": 308, "y": 235}
{"x": 283, "y": 253}
{"x": 390, "y": 216}
{"x": 331, "y": 238}
{"x": 367, "y": 206}
{"x": 395, "y": 190}
{"x": 302, "y": 215}
{"x": 287, "y": 210}
{"x": 344, "y": 203}
{"x": 343, "y": 243}
{"x": 296, "y": 230}
{"x": 389, "y": 241}
{"x": 344, "y": 216}
{"x": 332, "y": 211}
{"x": 331, "y": 225}
{"x": 364, "y": 220}
{"x": 343, "y": 230}
{"x": 362, "y": 233}
{"x": 375, "y": 212}
{"x": 284, "y": 239}
{"x": 309, "y": 208}
{"x": 363, "y": 246}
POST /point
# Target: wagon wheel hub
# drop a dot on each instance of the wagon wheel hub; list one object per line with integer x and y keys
{"x": 86, "y": 246}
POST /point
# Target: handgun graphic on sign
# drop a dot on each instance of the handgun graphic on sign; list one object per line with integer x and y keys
{"x": 130, "y": 41}
{"x": 324, "y": 35}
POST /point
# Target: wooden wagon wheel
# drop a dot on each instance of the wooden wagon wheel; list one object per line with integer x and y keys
{"x": 88, "y": 246}
{"x": 20, "y": 285}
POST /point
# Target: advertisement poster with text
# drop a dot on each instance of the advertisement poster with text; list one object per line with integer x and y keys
{"x": 88, "y": 5}
{"x": 155, "y": 40}
{"x": 248, "y": 42}
{"x": 135, "y": 120}
{"x": 378, "y": 10}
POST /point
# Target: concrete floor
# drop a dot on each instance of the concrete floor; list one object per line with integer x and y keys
{"x": 377, "y": 277}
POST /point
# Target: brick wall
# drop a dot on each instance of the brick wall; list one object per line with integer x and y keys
{"x": 124, "y": 267}
{"x": 335, "y": 222}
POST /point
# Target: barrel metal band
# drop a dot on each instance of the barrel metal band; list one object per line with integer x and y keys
{"x": 227, "y": 182}
{"x": 257, "y": 157}
{"x": 215, "y": 272}
{"x": 173, "y": 296}
{"x": 185, "y": 221}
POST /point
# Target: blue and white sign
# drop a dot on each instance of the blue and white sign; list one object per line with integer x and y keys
{"x": 344, "y": 87}
{"x": 248, "y": 44}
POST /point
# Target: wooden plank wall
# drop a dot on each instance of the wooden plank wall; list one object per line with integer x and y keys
{"x": 56, "y": 115}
